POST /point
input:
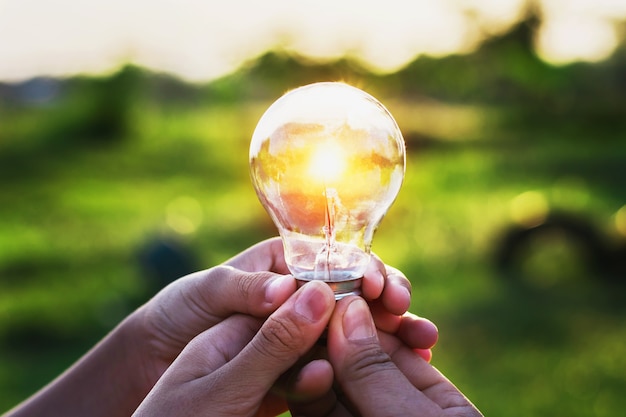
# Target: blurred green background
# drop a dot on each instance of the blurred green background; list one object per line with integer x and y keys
{"x": 510, "y": 223}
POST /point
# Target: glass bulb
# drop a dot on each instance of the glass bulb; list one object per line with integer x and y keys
{"x": 327, "y": 161}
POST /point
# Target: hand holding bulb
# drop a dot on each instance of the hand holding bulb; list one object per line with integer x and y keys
{"x": 327, "y": 161}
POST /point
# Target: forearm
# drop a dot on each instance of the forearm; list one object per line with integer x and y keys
{"x": 107, "y": 381}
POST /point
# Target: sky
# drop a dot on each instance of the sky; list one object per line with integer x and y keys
{"x": 200, "y": 40}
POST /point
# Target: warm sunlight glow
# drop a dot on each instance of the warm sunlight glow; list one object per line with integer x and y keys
{"x": 200, "y": 40}
{"x": 494, "y": 16}
{"x": 569, "y": 39}
{"x": 327, "y": 163}
{"x": 579, "y": 30}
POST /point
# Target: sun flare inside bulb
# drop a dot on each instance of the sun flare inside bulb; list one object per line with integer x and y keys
{"x": 327, "y": 163}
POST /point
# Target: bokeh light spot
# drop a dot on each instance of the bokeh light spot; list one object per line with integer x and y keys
{"x": 620, "y": 220}
{"x": 529, "y": 209}
{"x": 184, "y": 215}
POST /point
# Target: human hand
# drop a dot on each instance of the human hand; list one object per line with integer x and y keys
{"x": 386, "y": 289}
{"x": 379, "y": 375}
{"x": 116, "y": 375}
{"x": 251, "y": 283}
{"x": 230, "y": 369}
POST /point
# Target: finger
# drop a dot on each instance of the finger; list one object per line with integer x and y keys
{"x": 396, "y": 296}
{"x": 373, "y": 278}
{"x": 285, "y": 336}
{"x": 313, "y": 381}
{"x": 426, "y": 354}
{"x": 181, "y": 391}
{"x": 309, "y": 377}
{"x": 318, "y": 403}
{"x": 388, "y": 286}
{"x": 384, "y": 320}
{"x": 213, "y": 348}
{"x": 198, "y": 301}
{"x": 427, "y": 379}
{"x": 264, "y": 256}
{"x": 417, "y": 332}
{"x": 366, "y": 373}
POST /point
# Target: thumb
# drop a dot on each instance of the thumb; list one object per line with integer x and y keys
{"x": 371, "y": 381}
{"x": 288, "y": 334}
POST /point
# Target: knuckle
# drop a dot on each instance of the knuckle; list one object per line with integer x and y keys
{"x": 226, "y": 280}
{"x": 457, "y": 404}
{"x": 368, "y": 361}
{"x": 245, "y": 287}
{"x": 250, "y": 285}
{"x": 278, "y": 338}
{"x": 397, "y": 278}
{"x": 213, "y": 280}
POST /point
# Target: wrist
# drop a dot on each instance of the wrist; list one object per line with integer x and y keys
{"x": 113, "y": 372}
{"x": 139, "y": 359}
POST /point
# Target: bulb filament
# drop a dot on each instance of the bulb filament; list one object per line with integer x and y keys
{"x": 323, "y": 258}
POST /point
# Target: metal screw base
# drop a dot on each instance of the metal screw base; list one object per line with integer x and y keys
{"x": 340, "y": 288}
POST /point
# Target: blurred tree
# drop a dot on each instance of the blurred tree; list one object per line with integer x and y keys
{"x": 105, "y": 113}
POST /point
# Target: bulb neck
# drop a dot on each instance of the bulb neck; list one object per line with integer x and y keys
{"x": 340, "y": 288}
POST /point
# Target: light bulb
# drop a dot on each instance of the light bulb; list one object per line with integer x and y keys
{"x": 327, "y": 161}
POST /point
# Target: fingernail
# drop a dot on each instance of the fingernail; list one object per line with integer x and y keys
{"x": 312, "y": 303}
{"x": 407, "y": 293}
{"x": 357, "y": 321}
{"x": 274, "y": 288}
{"x": 379, "y": 278}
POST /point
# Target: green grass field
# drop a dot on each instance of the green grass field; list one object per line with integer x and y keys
{"x": 75, "y": 212}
